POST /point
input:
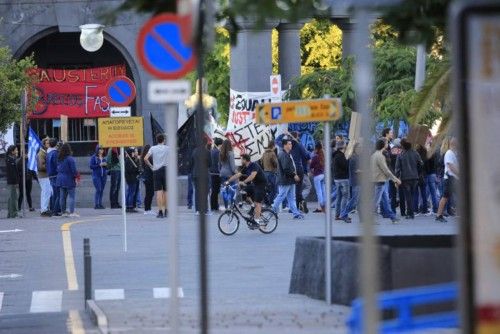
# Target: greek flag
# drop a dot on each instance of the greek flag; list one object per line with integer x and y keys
{"x": 34, "y": 145}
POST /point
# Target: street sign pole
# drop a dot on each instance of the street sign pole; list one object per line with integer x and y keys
{"x": 124, "y": 206}
{"x": 171, "y": 126}
{"x": 328, "y": 209}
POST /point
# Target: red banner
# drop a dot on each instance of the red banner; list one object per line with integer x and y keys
{"x": 76, "y": 93}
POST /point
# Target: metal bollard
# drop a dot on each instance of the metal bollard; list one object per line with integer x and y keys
{"x": 87, "y": 269}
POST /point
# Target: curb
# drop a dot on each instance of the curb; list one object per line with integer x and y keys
{"x": 97, "y": 316}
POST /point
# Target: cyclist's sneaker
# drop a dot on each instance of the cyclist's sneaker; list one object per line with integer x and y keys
{"x": 260, "y": 222}
{"x": 441, "y": 219}
{"x": 298, "y": 217}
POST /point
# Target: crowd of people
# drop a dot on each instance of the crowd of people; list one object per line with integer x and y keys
{"x": 414, "y": 179}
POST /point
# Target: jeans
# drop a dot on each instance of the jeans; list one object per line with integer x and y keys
{"x": 431, "y": 186}
{"x": 271, "y": 184}
{"x": 190, "y": 191}
{"x": 99, "y": 184}
{"x": 298, "y": 189}
{"x": 342, "y": 196}
{"x": 333, "y": 195}
{"x": 55, "y": 205}
{"x": 63, "y": 194}
{"x": 46, "y": 192}
{"x": 410, "y": 188}
{"x": 386, "y": 209}
{"x": 227, "y": 192}
{"x": 352, "y": 203}
{"x": 288, "y": 192}
{"x": 379, "y": 192}
{"x": 12, "y": 203}
{"x": 114, "y": 189}
{"x": 130, "y": 195}
{"x": 319, "y": 186}
{"x": 306, "y": 186}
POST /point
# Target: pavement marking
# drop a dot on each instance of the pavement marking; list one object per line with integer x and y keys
{"x": 165, "y": 292}
{"x": 11, "y": 276}
{"x": 11, "y": 231}
{"x": 69, "y": 259}
{"x": 46, "y": 301}
{"x": 1, "y": 300}
{"x": 75, "y": 322}
{"x": 109, "y": 294}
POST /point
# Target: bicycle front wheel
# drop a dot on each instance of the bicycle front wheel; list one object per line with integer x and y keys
{"x": 270, "y": 220}
{"x": 228, "y": 223}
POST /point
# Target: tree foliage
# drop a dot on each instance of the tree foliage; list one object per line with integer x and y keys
{"x": 14, "y": 79}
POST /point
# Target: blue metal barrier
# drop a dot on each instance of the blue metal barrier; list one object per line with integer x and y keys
{"x": 403, "y": 301}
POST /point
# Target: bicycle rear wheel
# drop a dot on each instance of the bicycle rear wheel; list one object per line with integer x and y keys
{"x": 270, "y": 220}
{"x": 228, "y": 223}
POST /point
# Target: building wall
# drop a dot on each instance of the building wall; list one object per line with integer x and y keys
{"x": 22, "y": 25}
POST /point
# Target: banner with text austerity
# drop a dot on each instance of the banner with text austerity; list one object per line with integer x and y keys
{"x": 77, "y": 93}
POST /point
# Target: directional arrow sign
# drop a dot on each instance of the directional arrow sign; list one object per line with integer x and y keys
{"x": 119, "y": 111}
{"x": 321, "y": 110}
{"x": 11, "y": 231}
{"x": 168, "y": 91}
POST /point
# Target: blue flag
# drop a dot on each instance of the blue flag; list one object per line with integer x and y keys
{"x": 34, "y": 144}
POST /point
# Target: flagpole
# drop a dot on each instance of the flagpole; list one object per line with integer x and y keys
{"x": 23, "y": 148}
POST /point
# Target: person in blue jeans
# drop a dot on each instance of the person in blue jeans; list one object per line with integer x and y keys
{"x": 380, "y": 174}
{"x": 66, "y": 180}
{"x": 52, "y": 153}
{"x": 354, "y": 172}
{"x": 287, "y": 179}
{"x": 98, "y": 165}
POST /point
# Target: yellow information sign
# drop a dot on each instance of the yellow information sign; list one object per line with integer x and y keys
{"x": 121, "y": 131}
{"x": 321, "y": 110}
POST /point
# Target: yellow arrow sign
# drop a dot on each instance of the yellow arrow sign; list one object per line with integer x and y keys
{"x": 305, "y": 111}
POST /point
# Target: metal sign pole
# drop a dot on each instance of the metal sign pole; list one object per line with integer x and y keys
{"x": 124, "y": 203}
{"x": 363, "y": 79}
{"x": 171, "y": 126}
{"x": 328, "y": 202}
{"x": 23, "y": 148}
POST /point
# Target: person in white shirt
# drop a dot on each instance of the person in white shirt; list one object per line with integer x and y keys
{"x": 159, "y": 153}
{"x": 450, "y": 177}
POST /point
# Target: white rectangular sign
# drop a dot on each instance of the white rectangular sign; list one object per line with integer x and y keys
{"x": 120, "y": 111}
{"x": 275, "y": 85}
{"x": 168, "y": 91}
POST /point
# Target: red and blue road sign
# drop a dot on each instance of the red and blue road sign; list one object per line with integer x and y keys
{"x": 162, "y": 46}
{"x": 121, "y": 91}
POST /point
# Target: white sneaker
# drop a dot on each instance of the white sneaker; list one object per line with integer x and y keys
{"x": 149, "y": 212}
{"x": 65, "y": 214}
{"x": 73, "y": 215}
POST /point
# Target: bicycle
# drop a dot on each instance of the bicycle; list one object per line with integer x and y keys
{"x": 229, "y": 221}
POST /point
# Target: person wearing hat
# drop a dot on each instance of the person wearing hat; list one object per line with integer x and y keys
{"x": 341, "y": 178}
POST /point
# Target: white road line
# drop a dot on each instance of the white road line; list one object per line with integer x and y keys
{"x": 1, "y": 300}
{"x": 109, "y": 294}
{"x": 46, "y": 301}
{"x": 165, "y": 292}
{"x": 75, "y": 322}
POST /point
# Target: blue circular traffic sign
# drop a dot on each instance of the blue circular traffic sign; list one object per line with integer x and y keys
{"x": 121, "y": 91}
{"x": 162, "y": 48}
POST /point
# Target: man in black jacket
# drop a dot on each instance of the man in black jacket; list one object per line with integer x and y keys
{"x": 287, "y": 179}
{"x": 341, "y": 178}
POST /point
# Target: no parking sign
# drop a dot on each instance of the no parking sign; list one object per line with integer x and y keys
{"x": 121, "y": 91}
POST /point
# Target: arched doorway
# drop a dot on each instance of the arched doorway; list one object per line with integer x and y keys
{"x": 53, "y": 50}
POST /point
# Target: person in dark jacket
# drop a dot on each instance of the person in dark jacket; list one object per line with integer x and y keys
{"x": 420, "y": 199}
{"x": 200, "y": 153}
{"x": 52, "y": 154}
{"x": 113, "y": 161}
{"x": 354, "y": 172}
{"x": 66, "y": 180}
{"x": 30, "y": 175}
{"x": 12, "y": 180}
{"x": 430, "y": 167}
{"x": 215, "y": 174}
{"x": 98, "y": 165}
{"x": 341, "y": 178}
{"x": 147, "y": 178}
{"x": 301, "y": 158}
{"x": 131, "y": 173}
{"x": 287, "y": 179}
{"x": 407, "y": 166}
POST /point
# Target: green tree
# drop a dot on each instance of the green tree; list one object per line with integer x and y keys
{"x": 14, "y": 79}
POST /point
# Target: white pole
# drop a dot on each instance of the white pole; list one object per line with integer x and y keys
{"x": 328, "y": 225}
{"x": 420, "y": 67}
{"x": 363, "y": 80}
{"x": 124, "y": 203}
{"x": 171, "y": 126}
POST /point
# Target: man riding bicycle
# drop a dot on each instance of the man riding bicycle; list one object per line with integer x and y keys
{"x": 254, "y": 183}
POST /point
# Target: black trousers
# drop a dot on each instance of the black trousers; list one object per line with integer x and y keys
{"x": 215, "y": 190}
{"x": 298, "y": 189}
{"x": 148, "y": 197}
{"x": 29, "y": 186}
{"x": 409, "y": 188}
